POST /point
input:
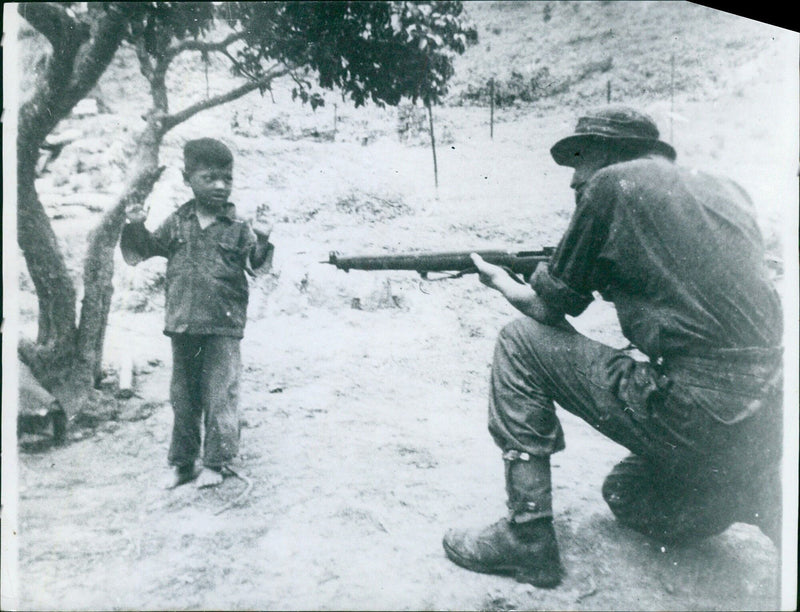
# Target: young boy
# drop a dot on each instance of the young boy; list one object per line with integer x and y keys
{"x": 208, "y": 251}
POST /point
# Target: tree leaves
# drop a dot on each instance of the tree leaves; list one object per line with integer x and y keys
{"x": 371, "y": 51}
{"x": 378, "y": 51}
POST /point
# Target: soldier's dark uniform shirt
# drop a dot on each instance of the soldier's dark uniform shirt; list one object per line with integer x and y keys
{"x": 207, "y": 290}
{"x": 678, "y": 252}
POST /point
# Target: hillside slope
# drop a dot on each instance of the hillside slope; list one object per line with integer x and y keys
{"x": 573, "y": 50}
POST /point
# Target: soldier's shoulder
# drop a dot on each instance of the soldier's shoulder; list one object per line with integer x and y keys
{"x": 640, "y": 171}
{"x": 625, "y": 179}
{"x": 651, "y": 164}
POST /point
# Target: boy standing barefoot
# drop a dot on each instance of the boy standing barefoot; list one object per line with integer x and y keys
{"x": 208, "y": 249}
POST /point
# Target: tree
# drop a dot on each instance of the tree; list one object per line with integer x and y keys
{"x": 370, "y": 51}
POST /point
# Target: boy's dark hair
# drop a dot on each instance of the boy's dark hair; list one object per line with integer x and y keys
{"x": 205, "y": 152}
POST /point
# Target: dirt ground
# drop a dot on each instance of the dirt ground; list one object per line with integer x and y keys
{"x": 364, "y": 394}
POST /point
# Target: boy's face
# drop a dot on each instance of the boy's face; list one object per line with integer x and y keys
{"x": 211, "y": 185}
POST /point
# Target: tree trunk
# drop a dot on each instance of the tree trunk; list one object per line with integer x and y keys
{"x": 80, "y": 54}
{"x": 54, "y": 288}
{"x": 99, "y": 263}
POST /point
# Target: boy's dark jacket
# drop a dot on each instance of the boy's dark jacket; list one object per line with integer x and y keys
{"x": 206, "y": 286}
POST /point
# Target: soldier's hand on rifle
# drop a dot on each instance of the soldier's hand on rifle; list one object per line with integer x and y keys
{"x": 136, "y": 213}
{"x": 522, "y": 297}
{"x": 490, "y": 275}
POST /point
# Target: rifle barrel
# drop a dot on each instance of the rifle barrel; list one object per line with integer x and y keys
{"x": 523, "y": 262}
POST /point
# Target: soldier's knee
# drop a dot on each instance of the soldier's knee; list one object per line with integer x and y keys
{"x": 610, "y": 489}
{"x": 521, "y": 326}
{"x": 629, "y": 482}
{"x": 509, "y": 331}
{"x": 635, "y": 495}
{"x": 631, "y": 504}
{"x": 520, "y": 334}
{"x": 615, "y": 493}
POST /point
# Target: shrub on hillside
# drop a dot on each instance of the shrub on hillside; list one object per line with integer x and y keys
{"x": 517, "y": 87}
{"x": 411, "y": 120}
{"x": 413, "y": 126}
{"x": 533, "y": 86}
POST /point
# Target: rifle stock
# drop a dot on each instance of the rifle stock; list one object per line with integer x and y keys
{"x": 457, "y": 262}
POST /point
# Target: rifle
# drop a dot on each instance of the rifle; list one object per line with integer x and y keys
{"x": 458, "y": 263}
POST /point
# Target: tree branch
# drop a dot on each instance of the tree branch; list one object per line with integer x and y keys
{"x": 93, "y": 59}
{"x": 170, "y": 121}
{"x": 303, "y": 83}
{"x": 49, "y": 102}
{"x": 220, "y": 46}
{"x": 53, "y": 22}
{"x": 145, "y": 62}
{"x": 238, "y": 66}
{"x": 202, "y": 45}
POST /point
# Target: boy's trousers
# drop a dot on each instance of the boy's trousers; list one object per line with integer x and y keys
{"x": 205, "y": 390}
{"x": 698, "y": 463}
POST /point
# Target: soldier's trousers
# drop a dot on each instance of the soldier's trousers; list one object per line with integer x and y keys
{"x": 705, "y": 443}
{"x": 205, "y": 393}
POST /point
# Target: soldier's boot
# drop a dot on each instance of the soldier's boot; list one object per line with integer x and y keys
{"x": 524, "y": 544}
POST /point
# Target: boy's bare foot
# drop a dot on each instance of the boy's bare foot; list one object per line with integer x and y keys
{"x": 181, "y": 474}
{"x": 209, "y": 477}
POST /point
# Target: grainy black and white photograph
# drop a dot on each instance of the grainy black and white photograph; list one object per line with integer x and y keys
{"x": 434, "y": 305}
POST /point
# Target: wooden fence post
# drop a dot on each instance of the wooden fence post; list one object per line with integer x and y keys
{"x": 671, "y": 96}
{"x": 433, "y": 146}
{"x": 491, "y": 108}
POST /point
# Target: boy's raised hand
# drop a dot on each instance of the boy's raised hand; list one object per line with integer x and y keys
{"x": 261, "y": 229}
{"x": 141, "y": 187}
{"x": 261, "y": 253}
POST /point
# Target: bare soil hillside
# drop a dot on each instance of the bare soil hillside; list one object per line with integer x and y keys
{"x": 364, "y": 394}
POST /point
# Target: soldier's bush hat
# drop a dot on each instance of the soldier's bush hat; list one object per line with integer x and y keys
{"x": 610, "y": 124}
